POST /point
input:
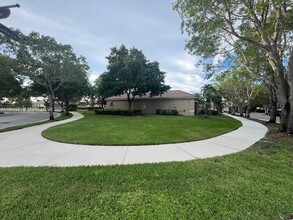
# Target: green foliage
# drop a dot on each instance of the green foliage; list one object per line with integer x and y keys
{"x": 211, "y": 96}
{"x": 149, "y": 129}
{"x": 167, "y": 112}
{"x": 10, "y": 86}
{"x": 118, "y": 112}
{"x": 237, "y": 86}
{"x": 253, "y": 34}
{"x": 52, "y": 66}
{"x": 129, "y": 72}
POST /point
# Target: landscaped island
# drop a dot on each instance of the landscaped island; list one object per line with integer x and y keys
{"x": 139, "y": 130}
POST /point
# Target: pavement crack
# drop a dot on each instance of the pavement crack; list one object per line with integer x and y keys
{"x": 66, "y": 152}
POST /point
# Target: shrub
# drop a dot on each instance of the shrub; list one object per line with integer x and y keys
{"x": 137, "y": 112}
{"x": 72, "y": 107}
{"x": 167, "y": 112}
{"x": 118, "y": 112}
{"x": 174, "y": 112}
{"x": 214, "y": 112}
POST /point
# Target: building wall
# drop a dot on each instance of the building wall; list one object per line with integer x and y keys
{"x": 183, "y": 106}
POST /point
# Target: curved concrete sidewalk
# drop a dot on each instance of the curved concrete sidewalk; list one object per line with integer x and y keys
{"x": 26, "y": 147}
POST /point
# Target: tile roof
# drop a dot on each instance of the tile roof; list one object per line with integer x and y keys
{"x": 171, "y": 94}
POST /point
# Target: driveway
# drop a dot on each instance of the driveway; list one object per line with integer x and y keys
{"x": 262, "y": 117}
{"x": 10, "y": 119}
{"x": 27, "y": 147}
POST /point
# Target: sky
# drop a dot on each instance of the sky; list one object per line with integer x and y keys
{"x": 92, "y": 27}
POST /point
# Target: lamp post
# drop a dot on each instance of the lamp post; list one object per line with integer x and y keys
{"x": 4, "y": 13}
{"x": 5, "y": 10}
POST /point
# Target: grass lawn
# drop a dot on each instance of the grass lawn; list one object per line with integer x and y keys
{"x": 254, "y": 184}
{"x": 139, "y": 130}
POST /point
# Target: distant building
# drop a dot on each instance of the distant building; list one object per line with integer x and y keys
{"x": 178, "y": 100}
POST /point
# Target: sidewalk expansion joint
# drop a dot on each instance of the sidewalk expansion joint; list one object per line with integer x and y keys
{"x": 125, "y": 155}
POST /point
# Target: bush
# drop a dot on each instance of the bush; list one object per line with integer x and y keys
{"x": 214, "y": 112}
{"x": 118, "y": 112}
{"x": 174, "y": 112}
{"x": 137, "y": 112}
{"x": 167, "y": 112}
{"x": 72, "y": 107}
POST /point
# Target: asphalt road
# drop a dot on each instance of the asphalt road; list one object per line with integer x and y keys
{"x": 262, "y": 117}
{"x": 10, "y": 119}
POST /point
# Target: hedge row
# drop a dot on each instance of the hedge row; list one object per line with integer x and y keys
{"x": 118, "y": 112}
{"x": 167, "y": 112}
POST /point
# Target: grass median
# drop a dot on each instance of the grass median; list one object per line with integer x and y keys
{"x": 139, "y": 130}
{"x": 254, "y": 184}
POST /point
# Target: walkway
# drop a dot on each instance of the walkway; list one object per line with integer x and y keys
{"x": 26, "y": 147}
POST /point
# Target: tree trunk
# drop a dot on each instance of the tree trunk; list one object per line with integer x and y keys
{"x": 283, "y": 82}
{"x": 51, "y": 114}
{"x": 282, "y": 95}
{"x": 129, "y": 105}
{"x": 66, "y": 107}
{"x": 273, "y": 105}
{"x": 290, "y": 82}
{"x": 233, "y": 108}
{"x": 129, "y": 101}
{"x": 241, "y": 109}
{"x": 248, "y": 107}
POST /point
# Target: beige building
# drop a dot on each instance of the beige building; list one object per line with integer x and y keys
{"x": 178, "y": 100}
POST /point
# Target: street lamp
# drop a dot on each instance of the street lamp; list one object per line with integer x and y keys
{"x": 4, "y": 13}
{"x": 5, "y": 10}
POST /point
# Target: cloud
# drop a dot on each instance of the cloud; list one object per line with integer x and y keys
{"x": 183, "y": 73}
{"x": 94, "y": 27}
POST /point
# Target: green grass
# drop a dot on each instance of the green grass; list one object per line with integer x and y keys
{"x": 139, "y": 130}
{"x": 254, "y": 184}
{"x": 60, "y": 118}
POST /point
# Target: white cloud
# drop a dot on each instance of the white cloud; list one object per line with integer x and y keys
{"x": 92, "y": 30}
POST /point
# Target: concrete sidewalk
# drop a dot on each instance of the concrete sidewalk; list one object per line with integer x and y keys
{"x": 26, "y": 147}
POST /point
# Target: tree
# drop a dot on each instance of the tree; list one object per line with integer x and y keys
{"x": 129, "y": 72}
{"x": 253, "y": 60}
{"x": 91, "y": 95}
{"x": 200, "y": 103}
{"x": 214, "y": 26}
{"x": 75, "y": 88}
{"x": 47, "y": 63}
{"x": 239, "y": 88}
{"x": 10, "y": 86}
{"x": 211, "y": 96}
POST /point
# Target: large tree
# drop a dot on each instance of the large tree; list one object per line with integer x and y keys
{"x": 239, "y": 88}
{"x": 211, "y": 96}
{"x": 75, "y": 88}
{"x": 47, "y": 63}
{"x": 214, "y": 27}
{"x": 129, "y": 72}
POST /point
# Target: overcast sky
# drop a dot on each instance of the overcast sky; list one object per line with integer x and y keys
{"x": 92, "y": 27}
